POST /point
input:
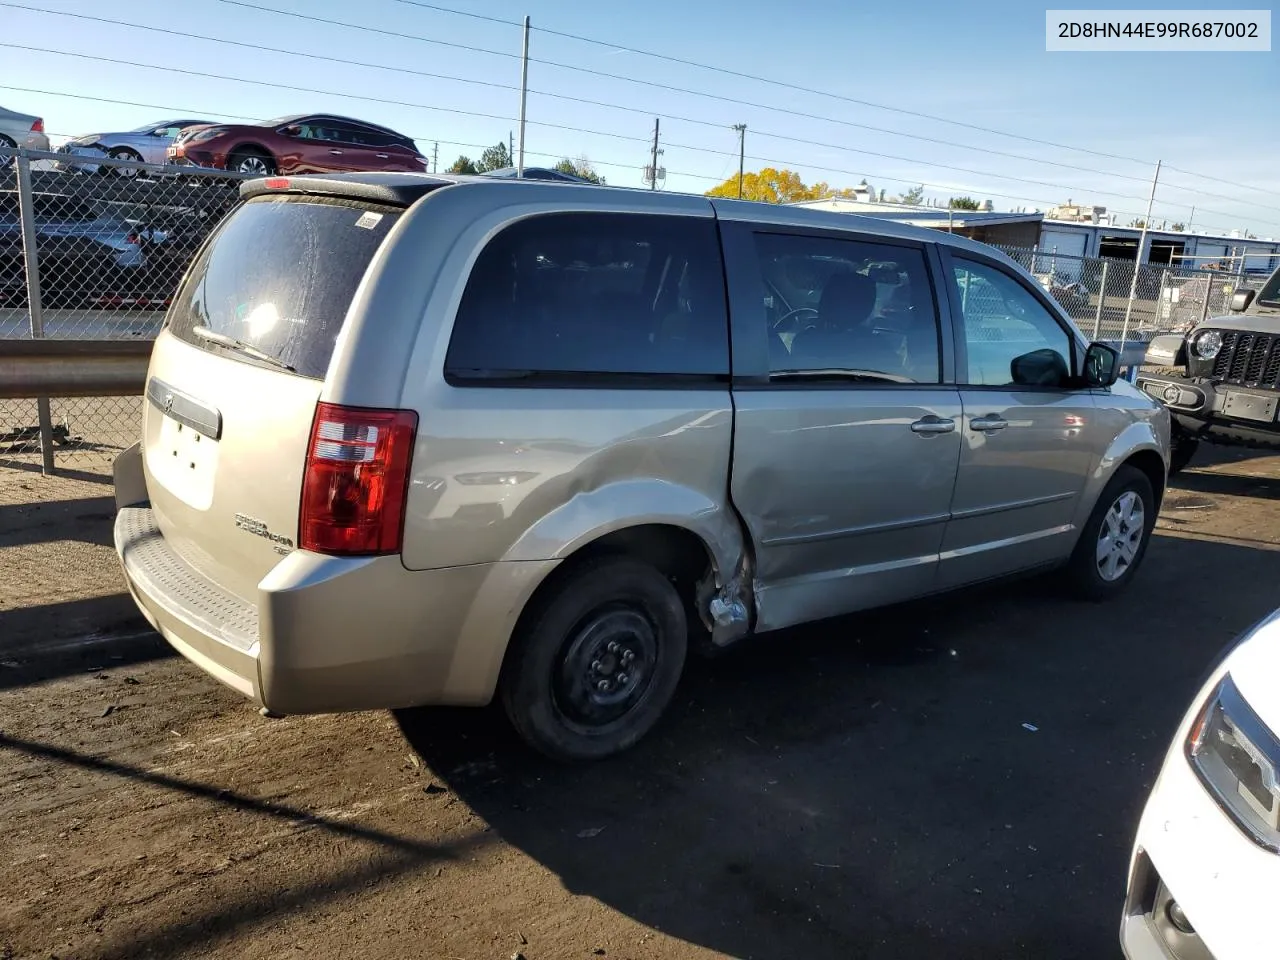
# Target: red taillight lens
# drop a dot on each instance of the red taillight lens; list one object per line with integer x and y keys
{"x": 356, "y": 478}
{"x": 38, "y": 126}
{"x": 277, "y": 183}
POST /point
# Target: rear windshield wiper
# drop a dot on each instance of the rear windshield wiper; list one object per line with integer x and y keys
{"x": 231, "y": 343}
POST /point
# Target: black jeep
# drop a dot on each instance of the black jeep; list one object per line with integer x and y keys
{"x": 1227, "y": 386}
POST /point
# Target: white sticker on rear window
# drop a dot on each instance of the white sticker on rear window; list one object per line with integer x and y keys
{"x": 368, "y": 220}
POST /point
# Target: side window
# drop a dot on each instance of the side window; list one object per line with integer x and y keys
{"x": 594, "y": 293}
{"x": 1010, "y": 337}
{"x": 855, "y": 309}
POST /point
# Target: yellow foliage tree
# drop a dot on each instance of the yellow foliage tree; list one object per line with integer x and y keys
{"x": 770, "y": 186}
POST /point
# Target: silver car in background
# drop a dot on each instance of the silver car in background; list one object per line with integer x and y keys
{"x": 20, "y": 130}
{"x": 146, "y": 144}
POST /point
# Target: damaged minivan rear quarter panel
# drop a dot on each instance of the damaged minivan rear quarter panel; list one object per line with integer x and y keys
{"x": 505, "y": 470}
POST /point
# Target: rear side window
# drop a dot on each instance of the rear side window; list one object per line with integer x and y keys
{"x": 278, "y": 278}
{"x": 632, "y": 295}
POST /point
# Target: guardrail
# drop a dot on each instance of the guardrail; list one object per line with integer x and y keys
{"x": 73, "y": 368}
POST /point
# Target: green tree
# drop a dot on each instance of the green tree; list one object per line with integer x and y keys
{"x": 914, "y": 195}
{"x": 495, "y": 158}
{"x": 579, "y": 168}
{"x": 463, "y": 165}
{"x": 963, "y": 203}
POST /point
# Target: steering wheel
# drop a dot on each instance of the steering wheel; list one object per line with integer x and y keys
{"x": 794, "y": 313}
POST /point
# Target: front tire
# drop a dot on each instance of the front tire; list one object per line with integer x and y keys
{"x": 596, "y": 660}
{"x": 1183, "y": 448}
{"x": 1115, "y": 537}
{"x": 252, "y": 162}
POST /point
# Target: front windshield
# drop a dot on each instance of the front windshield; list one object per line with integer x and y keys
{"x": 1270, "y": 292}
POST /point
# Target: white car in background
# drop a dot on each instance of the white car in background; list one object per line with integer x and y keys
{"x": 1205, "y": 871}
{"x": 21, "y": 130}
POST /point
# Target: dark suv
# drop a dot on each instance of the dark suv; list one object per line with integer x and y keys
{"x": 306, "y": 143}
{"x": 1226, "y": 388}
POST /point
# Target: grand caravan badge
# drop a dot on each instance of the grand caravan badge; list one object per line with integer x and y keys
{"x": 259, "y": 529}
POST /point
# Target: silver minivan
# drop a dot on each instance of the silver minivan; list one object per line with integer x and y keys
{"x": 415, "y": 439}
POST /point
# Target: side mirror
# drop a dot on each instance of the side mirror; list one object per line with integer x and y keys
{"x": 1101, "y": 365}
{"x": 1040, "y": 368}
{"x": 1240, "y": 300}
{"x": 1167, "y": 350}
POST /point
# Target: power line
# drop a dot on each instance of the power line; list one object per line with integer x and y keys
{"x": 412, "y": 105}
{"x": 824, "y": 93}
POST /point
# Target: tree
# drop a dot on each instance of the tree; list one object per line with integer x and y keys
{"x": 914, "y": 195}
{"x": 496, "y": 157}
{"x": 772, "y": 186}
{"x": 579, "y": 168}
{"x": 463, "y": 165}
{"x": 963, "y": 203}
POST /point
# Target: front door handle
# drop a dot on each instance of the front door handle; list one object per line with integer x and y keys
{"x": 988, "y": 424}
{"x": 931, "y": 425}
{"x": 384, "y": 156}
{"x": 336, "y": 153}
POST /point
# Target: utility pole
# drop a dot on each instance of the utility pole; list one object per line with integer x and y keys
{"x": 435, "y": 157}
{"x": 653, "y": 182}
{"x": 524, "y": 96}
{"x": 1137, "y": 261}
{"x": 511, "y": 146}
{"x": 742, "y": 153}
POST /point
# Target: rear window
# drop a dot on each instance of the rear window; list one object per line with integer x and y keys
{"x": 594, "y": 293}
{"x": 279, "y": 277}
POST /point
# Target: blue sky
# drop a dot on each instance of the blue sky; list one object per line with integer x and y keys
{"x": 981, "y": 63}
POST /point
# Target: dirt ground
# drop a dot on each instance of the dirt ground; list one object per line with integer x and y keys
{"x": 956, "y": 778}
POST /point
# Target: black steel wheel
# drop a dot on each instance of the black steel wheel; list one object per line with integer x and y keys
{"x": 596, "y": 660}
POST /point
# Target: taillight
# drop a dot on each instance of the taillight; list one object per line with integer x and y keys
{"x": 356, "y": 479}
{"x": 277, "y": 183}
{"x": 38, "y": 126}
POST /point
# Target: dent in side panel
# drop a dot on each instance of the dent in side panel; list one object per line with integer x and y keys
{"x": 521, "y": 474}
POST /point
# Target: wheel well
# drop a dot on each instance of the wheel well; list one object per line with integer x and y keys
{"x": 249, "y": 148}
{"x": 1149, "y": 462}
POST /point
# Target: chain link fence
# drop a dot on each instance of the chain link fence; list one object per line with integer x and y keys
{"x": 1096, "y": 293}
{"x": 110, "y": 240}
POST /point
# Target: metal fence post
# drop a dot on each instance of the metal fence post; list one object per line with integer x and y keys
{"x": 1102, "y": 298}
{"x": 1208, "y": 292}
{"x": 35, "y": 308}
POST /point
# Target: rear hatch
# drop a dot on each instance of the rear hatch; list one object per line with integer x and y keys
{"x": 237, "y": 372}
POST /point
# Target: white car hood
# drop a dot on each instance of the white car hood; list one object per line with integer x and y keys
{"x": 1255, "y": 668}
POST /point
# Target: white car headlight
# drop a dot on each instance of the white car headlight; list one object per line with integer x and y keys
{"x": 1238, "y": 760}
{"x": 1207, "y": 344}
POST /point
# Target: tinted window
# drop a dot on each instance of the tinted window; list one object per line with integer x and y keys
{"x": 848, "y": 306}
{"x": 280, "y": 275}
{"x": 595, "y": 293}
{"x": 1003, "y": 323}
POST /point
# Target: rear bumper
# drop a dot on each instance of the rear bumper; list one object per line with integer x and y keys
{"x": 328, "y": 634}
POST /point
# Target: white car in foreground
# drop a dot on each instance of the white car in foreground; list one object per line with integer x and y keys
{"x": 1205, "y": 871}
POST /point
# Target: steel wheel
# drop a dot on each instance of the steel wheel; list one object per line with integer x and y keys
{"x": 606, "y": 666}
{"x": 1120, "y": 536}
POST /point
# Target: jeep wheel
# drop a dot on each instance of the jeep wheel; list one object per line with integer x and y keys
{"x": 1115, "y": 537}
{"x": 1184, "y": 447}
{"x": 596, "y": 661}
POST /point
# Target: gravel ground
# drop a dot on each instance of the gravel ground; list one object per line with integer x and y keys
{"x": 869, "y": 787}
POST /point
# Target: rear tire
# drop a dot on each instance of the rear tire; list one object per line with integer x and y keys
{"x": 6, "y": 162}
{"x": 1115, "y": 537}
{"x": 596, "y": 661}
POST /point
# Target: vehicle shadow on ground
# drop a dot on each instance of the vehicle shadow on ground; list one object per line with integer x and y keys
{"x": 956, "y": 778}
{"x": 1230, "y": 484}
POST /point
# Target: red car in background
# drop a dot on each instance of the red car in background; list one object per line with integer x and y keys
{"x": 306, "y": 143}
